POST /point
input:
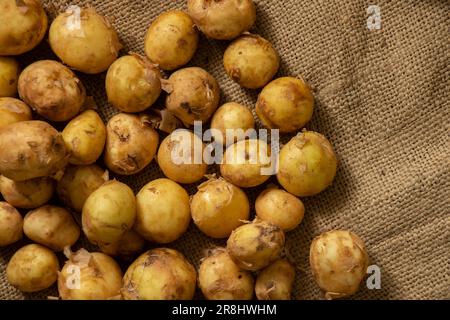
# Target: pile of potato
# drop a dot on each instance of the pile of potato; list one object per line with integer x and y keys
{"x": 38, "y": 162}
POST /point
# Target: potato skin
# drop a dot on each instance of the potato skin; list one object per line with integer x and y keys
{"x": 52, "y": 90}
{"x": 25, "y": 28}
{"x": 11, "y": 223}
{"x": 32, "y": 268}
{"x": 251, "y": 61}
{"x": 31, "y": 149}
{"x": 171, "y": 40}
{"x": 12, "y": 111}
{"x": 131, "y": 144}
{"x": 129, "y": 245}
{"x": 9, "y": 74}
{"x": 159, "y": 274}
{"x": 275, "y": 281}
{"x": 339, "y": 262}
{"x": 28, "y": 194}
{"x": 307, "y": 164}
{"x": 286, "y": 104}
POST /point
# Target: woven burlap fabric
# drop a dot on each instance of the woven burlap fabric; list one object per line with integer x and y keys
{"x": 382, "y": 98}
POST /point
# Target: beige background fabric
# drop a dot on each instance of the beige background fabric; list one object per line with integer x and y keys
{"x": 382, "y": 98}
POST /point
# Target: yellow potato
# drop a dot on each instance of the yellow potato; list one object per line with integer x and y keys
{"x": 9, "y": 74}
{"x": 12, "y": 111}
{"x": 128, "y": 246}
{"x": 28, "y": 194}
{"x": 275, "y": 281}
{"x": 11, "y": 223}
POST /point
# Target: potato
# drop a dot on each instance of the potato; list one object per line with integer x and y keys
{"x": 193, "y": 95}
{"x": 222, "y": 20}
{"x": 159, "y": 274}
{"x": 129, "y": 245}
{"x": 339, "y": 262}
{"x": 307, "y": 164}
{"x": 89, "y": 276}
{"x": 180, "y": 157}
{"x": 255, "y": 245}
{"x": 77, "y": 184}
{"x": 109, "y": 212}
{"x": 163, "y": 212}
{"x": 233, "y": 117}
{"x": 31, "y": 149}
{"x": 280, "y": 208}
{"x": 32, "y": 268}
{"x": 84, "y": 40}
{"x": 275, "y": 281}
{"x": 218, "y": 208}
{"x": 286, "y": 104}
{"x": 12, "y": 111}
{"x": 85, "y": 138}
{"x": 28, "y": 194}
{"x": 171, "y": 40}
{"x": 251, "y": 61}
{"x": 246, "y": 163}
{"x": 9, "y": 74}
{"x": 52, "y": 90}
{"x": 10, "y": 224}
{"x": 24, "y": 24}
{"x": 133, "y": 83}
{"x": 131, "y": 144}
{"x": 220, "y": 278}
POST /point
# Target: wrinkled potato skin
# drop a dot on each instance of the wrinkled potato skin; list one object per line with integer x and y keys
{"x": 129, "y": 245}
{"x": 251, "y": 61}
{"x": 222, "y": 20}
{"x": 339, "y": 262}
{"x": 275, "y": 281}
{"x": 286, "y": 104}
{"x": 219, "y": 207}
{"x": 255, "y": 245}
{"x": 32, "y": 268}
{"x": 307, "y": 164}
{"x": 171, "y": 40}
{"x": 221, "y": 279}
{"x": 85, "y": 138}
{"x": 23, "y": 26}
{"x": 28, "y": 194}
{"x": 193, "y": 95}
{"x": 52, "y": 90}
{"x": 131, "y": 144}
{"x": 90, "y": 46}
{"x": 11, "y": 223}
{"x": 12, "y": 111}
{"x": 31, "y": 149}
{"x": 9, "y": 74}
{"x": 163, "y": 212}
{"x": 159, "y": 274}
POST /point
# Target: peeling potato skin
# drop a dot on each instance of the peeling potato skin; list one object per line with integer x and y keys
{"x": 11, "y": 223}
{"x": 275, "y": 281}
{"x": 52, "y": 90}
{"x": 128, "y": 246}
{"x": 160, "y": 274}
{"x": 339, "y": 262}
{"x": 9, "y": 74}
{"x": 13, "y": 110}
{"x": 28, "y": 194}
{"x": 25, "y": 28}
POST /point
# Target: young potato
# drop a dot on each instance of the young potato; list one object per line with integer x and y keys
{"x": 159, "y": 274}
{"x": 84, "y": 40}
{"x": 339, "y": 262}
{"x": 307, "y": 164}
{"x": 234, "y": 117}
{"x": 77, "y": 184}
{"x": 23, "y": 26}
{"x": 99, "y": 277}
{"x": 52, "y": 90}
{"x": 109, "y": 212}
{"x": 171, "y": 40}
{"x": 128, "y": 246}
{"x": 218, "y": 208}
{"x": 13, "y": 110}
{"x": 11, "y": 223}
{"x": 286, "y": 104}
{"x": 28, "y": 194}
{"x": 193, "y": 95}
{"x": 280, "y": 208}
{"x": 85, "y": 138}
{"x": 251, "y": 61}
{"x": 180, "y": 157}
{"x": 222, "y": 20}
{"x": 133, "y": 83}
{"x": 163, "y": 212}
{"x": 255, "y": 245}
{"x": 31, "y": 149}
{"x": 220, "y": 278}
{"x": 275, "y": 281}
{"x": 32, "y": 268}
{"x": 9, "y": 73}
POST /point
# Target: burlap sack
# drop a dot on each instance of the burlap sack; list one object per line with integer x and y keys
{"x": 382, "y": 98}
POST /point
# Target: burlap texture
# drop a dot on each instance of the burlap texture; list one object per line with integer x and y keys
{"x": 382, "y": 98}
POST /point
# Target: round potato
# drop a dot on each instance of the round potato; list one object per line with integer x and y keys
{"x": 128, "y": 246}
{"x": 9, "y": 74}
{"x": 275, "y": 281}
{"x": 28, "y": 194}
{"x": 12, "y": 111}
{"x": 11, "y": 223}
